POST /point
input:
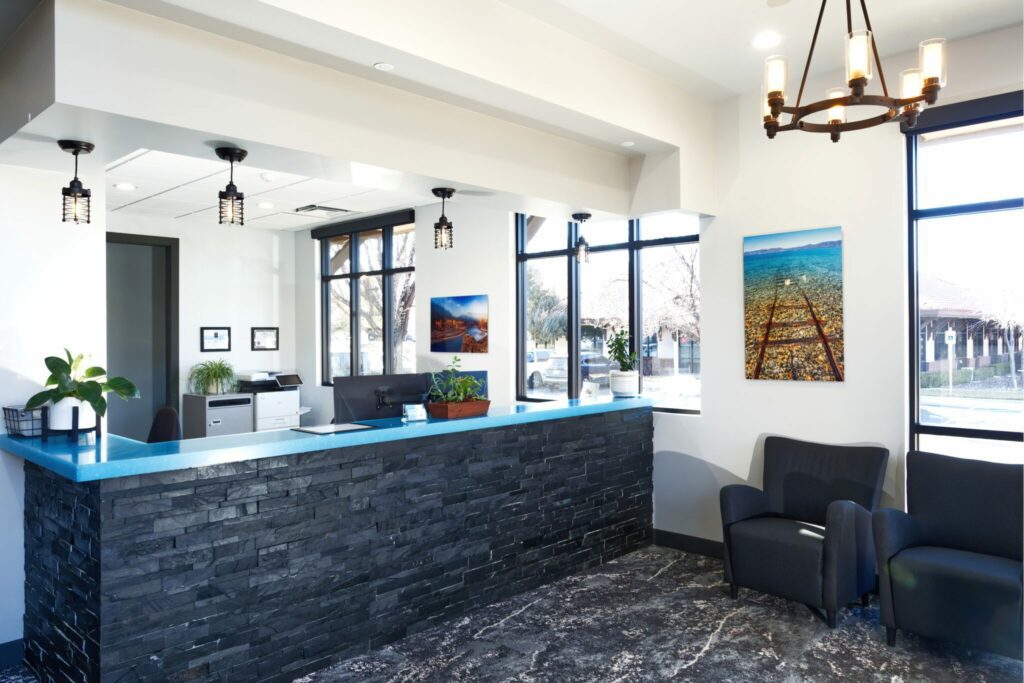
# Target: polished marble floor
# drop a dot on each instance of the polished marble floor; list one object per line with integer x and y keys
{"x": 658, "y": 615}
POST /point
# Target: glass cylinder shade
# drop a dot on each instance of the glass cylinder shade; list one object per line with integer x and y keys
{"x": 910, "y": 83}
{"x": 932, "y": 55}
{"x": 858, "y": 55}
{"x": 837, "y": 112}
{"x": 766, "y": 109}
{"x": 776, "y": 72}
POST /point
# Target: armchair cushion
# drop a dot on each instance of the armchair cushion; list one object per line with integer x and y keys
{"x": 779, "y": 556}
{"x": 971, "y": 598}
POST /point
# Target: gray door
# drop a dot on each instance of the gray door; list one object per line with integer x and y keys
{"x": 141, "y": 330}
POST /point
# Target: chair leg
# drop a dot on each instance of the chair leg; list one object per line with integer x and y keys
{"x": 734, "y": 591}
{"x": 890, "y": 636}
{"x": 830, "y": 618}
{"x": 865, "y": 600}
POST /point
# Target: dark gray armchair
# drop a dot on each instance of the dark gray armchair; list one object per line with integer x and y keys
{"x": 951, "y": 567}
{"x": 807, "y": 535}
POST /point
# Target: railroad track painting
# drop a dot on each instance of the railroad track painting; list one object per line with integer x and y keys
{"x": 793, "y": 306}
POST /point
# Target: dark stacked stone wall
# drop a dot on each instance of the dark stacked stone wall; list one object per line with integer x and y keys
{"x": 272, "y": 568}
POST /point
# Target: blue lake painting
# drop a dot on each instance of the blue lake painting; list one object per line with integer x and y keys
{"x": 793, "y": 305}
{"x": 459, "y": 324}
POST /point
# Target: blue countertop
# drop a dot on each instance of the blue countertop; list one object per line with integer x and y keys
{"x": 113, "y": 456}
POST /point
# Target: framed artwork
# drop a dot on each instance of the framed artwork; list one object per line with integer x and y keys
{"x": 214, "y": 338}
{"x": 265, "y": 338}
{"x": 458, "y": 324}
{"x": 793, "y": 305}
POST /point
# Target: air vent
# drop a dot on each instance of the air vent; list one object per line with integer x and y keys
{"x": 320, "y": 208}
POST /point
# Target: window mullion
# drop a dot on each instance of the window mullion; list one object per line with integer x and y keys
{"x": 573, "y": 317}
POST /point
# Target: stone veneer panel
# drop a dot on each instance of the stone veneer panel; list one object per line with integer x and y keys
{"x": 269, "y": 569}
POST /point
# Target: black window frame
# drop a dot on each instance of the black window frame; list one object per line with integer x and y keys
{"x": 634, "y": 245}
{"x": 986, "y": 109}
{"x": 385, "y": 223}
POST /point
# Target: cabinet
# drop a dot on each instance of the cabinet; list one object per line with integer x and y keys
{"x": 216, "y": 415}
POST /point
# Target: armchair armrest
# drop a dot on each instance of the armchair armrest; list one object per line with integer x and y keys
{"x": 740, "y": 502}
{"x": 849, "y": 555}
{"x": 894, "y": 530}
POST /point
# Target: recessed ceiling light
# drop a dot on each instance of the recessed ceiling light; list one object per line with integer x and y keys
{"x": 384, "y": 66}
{"x": 266, "y": 205}
{"x": 125, "y": 187}
{"x": 628, "y": 143}
{"x": 766, "y": 40}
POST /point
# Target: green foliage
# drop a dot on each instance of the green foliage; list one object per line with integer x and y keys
{"x": 216, "y": 373}
{"x": 940, "y": 378}
{"x": 545, "y": 314}
{"x": 448, "y": 386}
{"x": 618, "y": 351}
{"x": 66, "y": 380}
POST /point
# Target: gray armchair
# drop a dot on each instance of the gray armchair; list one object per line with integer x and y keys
{"x": 951, "y": 566}
{"x": 807, "y": 535}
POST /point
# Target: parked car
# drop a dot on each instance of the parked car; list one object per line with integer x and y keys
{"x": 593, "y": 367}
{"x": 536, "y": 360}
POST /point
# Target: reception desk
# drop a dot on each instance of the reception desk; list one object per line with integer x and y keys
{"x": 265, "y": 556}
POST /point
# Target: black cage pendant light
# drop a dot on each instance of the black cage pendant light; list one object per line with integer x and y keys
{"x": 232, "y": 202}
{"x": 582, "y": 246}
{"x": 76, "y": 199}
{"x": 444, "y": 234}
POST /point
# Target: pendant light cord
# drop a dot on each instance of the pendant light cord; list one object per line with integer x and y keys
{"x": 874, "y": 47}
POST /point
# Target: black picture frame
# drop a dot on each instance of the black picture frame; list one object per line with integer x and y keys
{"x": 202, "y": 339}
{"x": 277, "y": 338}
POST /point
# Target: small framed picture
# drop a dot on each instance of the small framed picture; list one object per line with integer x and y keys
{"x": 265, "y": 338}
{"x": 214, "y": 338}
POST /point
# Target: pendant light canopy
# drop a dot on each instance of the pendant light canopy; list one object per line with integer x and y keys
{"x": 76, "y": 200}
{"x": 444, "y": 234}
{"x": 231, "y": 201}
{"x": 916, "y": 85}
{"x": 582, "y": 246}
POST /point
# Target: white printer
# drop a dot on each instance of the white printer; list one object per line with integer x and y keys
{"x": 275, "y": 399}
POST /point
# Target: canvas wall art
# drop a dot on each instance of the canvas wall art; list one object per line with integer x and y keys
{"x": 793, "y": 305}
{"x": 458, "y": 324}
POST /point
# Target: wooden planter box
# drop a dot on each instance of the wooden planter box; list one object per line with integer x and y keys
{"x": 450, "y": 411}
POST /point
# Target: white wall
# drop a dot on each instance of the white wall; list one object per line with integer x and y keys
{"x": 232, "y": 277}
{"x": 53, "y": 280}
{"x": 796, "y": 181}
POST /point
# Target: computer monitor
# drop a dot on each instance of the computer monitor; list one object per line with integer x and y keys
{"x": 377, "y": 396}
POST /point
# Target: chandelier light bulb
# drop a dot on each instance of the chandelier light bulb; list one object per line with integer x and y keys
{"x": 911, "y": 83}
{"x": 858, "y": 55}
{"x": 776, "y": 73}
{"x": 933, "y": 61}
{"x": 837, "y": 112}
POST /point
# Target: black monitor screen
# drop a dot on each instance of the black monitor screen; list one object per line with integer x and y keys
{"x": 288, "y": 380}
{"x": 376, "y": 396}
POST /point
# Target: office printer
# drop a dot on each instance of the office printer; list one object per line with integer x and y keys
{"x": 275, "y": 399}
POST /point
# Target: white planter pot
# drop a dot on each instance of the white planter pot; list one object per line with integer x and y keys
{"x": 60, "y": 414}
{"x": 625, "y": 383}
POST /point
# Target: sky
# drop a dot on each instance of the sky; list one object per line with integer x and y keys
{"x": 474, "y": 307}
{"x": 791, "y": 240}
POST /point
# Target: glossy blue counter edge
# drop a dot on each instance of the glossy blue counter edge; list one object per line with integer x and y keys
{"x": 116, "y": 456}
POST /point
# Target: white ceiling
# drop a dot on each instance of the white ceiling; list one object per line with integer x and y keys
{"x": 705, "y": 46}
{"x": 184, "y": 188}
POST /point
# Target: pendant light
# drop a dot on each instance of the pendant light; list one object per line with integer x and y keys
{"x": 76, "y": 199}
{"x": 444, "y": 234}
{"x": 231, "y": 201}
{"x": 582, "y": 246}
{"x": 861, "y": 52}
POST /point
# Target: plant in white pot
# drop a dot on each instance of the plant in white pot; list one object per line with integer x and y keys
{"x": 69, "y": 387}
{"x": 626, "y": 380}
{"x": 212, "y": 377}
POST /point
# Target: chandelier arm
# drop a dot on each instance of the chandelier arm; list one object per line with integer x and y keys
{"x": 810, "y": 53}
{"x": 874, "y": 46}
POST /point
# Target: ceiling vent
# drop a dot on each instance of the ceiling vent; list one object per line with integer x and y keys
{"x": 319, "y": 210}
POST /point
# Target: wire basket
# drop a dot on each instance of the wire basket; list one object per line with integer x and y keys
{"x": 21, "y": 422}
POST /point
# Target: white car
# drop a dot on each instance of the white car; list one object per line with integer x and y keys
{"x": 536, "y": 360}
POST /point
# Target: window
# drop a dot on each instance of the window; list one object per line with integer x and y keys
{"x": 967, "y": 296}
{"x": 368, "y": 296}
{"x": 641, "y": 276}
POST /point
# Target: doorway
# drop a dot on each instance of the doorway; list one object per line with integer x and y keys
{"x": 142, "y": 328}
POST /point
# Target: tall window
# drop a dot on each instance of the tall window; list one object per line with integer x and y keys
{"x": 641, "y": 276}
{"x": 368, "y": 296}
{"x": 967, "y": 294}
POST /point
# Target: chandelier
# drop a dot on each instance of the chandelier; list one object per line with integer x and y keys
{"x": 921, "y": 84}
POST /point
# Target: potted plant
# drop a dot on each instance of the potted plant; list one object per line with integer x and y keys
{"x": 212, "y": 377}
{"x": 626, "y": 380}
{"x": 69, "y": 388}
{"x": 454, "y": 395}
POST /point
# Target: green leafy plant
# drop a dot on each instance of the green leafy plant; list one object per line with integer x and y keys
{"x": 89, "y": 385}
{"x": 213, "y": 373}
{"x": 448, "y": 386}
{"x": 618, "y": 350}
